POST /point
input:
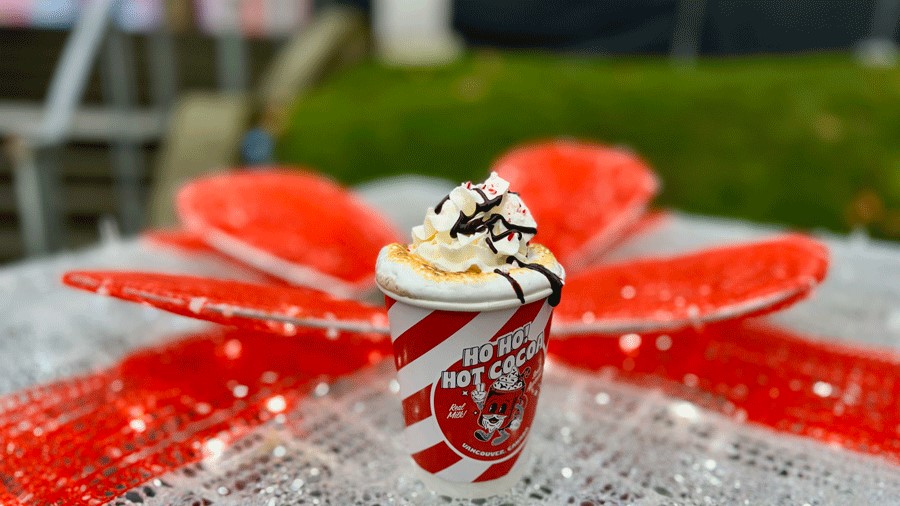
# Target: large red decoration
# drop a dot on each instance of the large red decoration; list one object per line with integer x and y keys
{"x": 209, "y": 389}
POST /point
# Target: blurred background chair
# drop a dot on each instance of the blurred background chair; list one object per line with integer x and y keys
{"x": 143, "y": 95}
{"x": 208, "y": 131}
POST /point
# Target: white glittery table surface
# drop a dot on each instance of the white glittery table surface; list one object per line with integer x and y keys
{"x": 595, "y": 440}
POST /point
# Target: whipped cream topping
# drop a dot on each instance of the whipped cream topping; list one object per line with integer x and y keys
{"x": 472, "y": 252}
{"x": 476, "y": 228}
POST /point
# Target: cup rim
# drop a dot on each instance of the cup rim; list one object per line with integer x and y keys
{"x": 469, "y": 306}
{"x": 409, "y": 282}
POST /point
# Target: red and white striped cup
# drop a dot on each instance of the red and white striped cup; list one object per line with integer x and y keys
{"x": 469, "y": 383}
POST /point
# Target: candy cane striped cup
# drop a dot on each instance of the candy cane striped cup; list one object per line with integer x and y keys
{"x": 470, "y": 377}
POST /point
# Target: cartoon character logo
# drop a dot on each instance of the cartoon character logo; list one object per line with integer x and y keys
{"x": 501, "y": 408}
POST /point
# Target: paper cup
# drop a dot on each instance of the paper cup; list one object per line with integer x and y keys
{"x": 469, "y": 383}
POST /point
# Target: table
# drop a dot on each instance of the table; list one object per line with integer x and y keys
{"x": 596, "y": 440}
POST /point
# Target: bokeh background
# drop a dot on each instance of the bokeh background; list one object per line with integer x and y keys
{"x": 784, "y": 112}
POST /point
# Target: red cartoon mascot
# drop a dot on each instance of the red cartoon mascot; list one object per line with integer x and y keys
{"x": 501, "y": 408}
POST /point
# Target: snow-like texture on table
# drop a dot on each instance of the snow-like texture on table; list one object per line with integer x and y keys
{"x": 596, "y": 440}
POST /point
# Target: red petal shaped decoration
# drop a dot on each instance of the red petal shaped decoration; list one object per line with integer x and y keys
{"x": 295, "y": 225}
{"x": 583, "y": 196}
{"x": 158, "y": 410}
{"x": 275, "y": 309}
{"x": 843, "y": 395}
{"x": 712, "y": 285}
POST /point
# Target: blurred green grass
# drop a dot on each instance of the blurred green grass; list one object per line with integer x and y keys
{"x": 805, "y": 141}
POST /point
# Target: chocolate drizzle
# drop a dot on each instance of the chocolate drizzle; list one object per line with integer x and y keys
{"x": 515, "y": 284}
{"x": 469, "y": 225}
{"x": 490, "y": 244}
{"x": 440, "y": 204}
{"x": 556, "y": 283}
